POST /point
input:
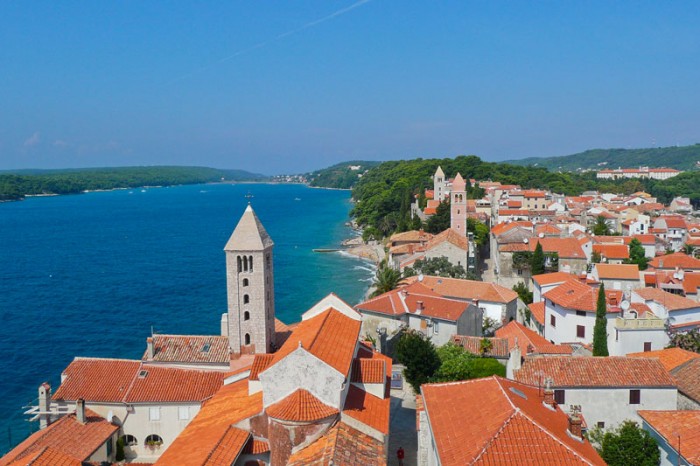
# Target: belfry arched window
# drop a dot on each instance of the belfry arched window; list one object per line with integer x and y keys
{"x": 246, "y": 299}
{"x": 247, "y": 339}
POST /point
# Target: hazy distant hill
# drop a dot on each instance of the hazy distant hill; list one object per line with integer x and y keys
{"x": 342, "y": 176}
{"x": 680, "y": 158}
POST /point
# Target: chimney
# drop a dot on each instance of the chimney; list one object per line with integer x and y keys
{"x": 419, "y": 306}
{"x": 80, "y": 410}
{"x": 44, "y": 405}
{"x": 151, "y": 350}
{"x": 548, "y": 393}
{"x": 515, "y": 361}
{"x": 575, "y": 423}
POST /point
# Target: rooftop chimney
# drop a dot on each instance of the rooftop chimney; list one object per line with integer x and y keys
{"x": 419, "y": 306}
{"x": 575, "y": 423}
{"x": 151, "y": 349}
{"x": 548, "y": 393}
{"x": 44, "y": 405}
{"x": 80, "y": 410}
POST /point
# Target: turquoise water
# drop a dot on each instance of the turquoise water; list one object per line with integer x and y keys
{"x": 90, "y": 275}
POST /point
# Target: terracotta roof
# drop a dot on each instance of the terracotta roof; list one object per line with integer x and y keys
{"x": 204, "y": 435}
{"x": 260, "y": 363}
{"x": 674, "y": 222}
{"x": 414, "y": 236}
{"x": 612, "y": 251}
{"x": 506, "y": 226}
{"x": 190, "y": 349}
{"x": 691, "y": 283}
{"x": 368, "y": 409}
{"x": 255, "y": 447}
{"x": 228, "y": 448}
{"x": 395, "y": 303}
{"x": 618, "y": 271}
{"x": 645, "y": 239}
{"x": 450, "y": 236}
{"x": 533, "y": 194}
{"x": 499, "y": 346}
{"x": 513, "y": 212}
{"x": 67, "y": 437}
{"x": 566, "y": 248}
{"x": 595, "y": 372}
{"x": 669, "y": 357}
{"x": 300, "y": 406}
{"x": 331, "y": 336}
{"x": 687, "y": 376}
{"x": 48, "y": 457}
{"x": 670, "y": 301}
{"x": 554, "y": 277}
{"x": 529, "y": 341}
{"x": 467, "y": 289}
{"x": 366, "y": 370}
{"x": 672, "y": 424}
{"x": 342, "y": 444}
{"x": 508, "y": 424}
{"x": 547, "y": 229}
{"x": 574, "y": 295}
{"x": 677, "y": 259}
{"x": 282, "y": 332}
{"x": 132, "y": 382}
{"x": 537, "y": 311}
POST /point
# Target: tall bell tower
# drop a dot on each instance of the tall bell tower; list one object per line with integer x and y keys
{"x": 250, "y": 287}
{"x": 458, "y": 205}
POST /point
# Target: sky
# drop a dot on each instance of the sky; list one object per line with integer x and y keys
{"x": 287, "y": 87}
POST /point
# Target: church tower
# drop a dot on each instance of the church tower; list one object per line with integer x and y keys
{"x": 439, "y": 185}
{"x": 250, "y": 287}
{"x": 458, "y": 205}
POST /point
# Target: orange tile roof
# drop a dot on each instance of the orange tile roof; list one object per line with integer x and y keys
{"x": 547, "y": 229}
{"x": 691, "y": 283}
{"x": 450, "y": 236}
{"x": 674, "y": 222}
{"x": 394, "y": 303}
{"x": 529, "y": 341}
{"x": 228, "y": 448}
{"x": 618, "y": 271}
{"x": 204, "y": 434}
{"x": 255, "y": 447}
{"x": 368, "y": 409}
{"x": 566, "y": 248}
{"x": 260, "y": 363}
{"x": 670, "y": 301}
{"x": 467, "y": 289}
{"x": 537, "y": 311}
{"x": 300, "y": 406}
{"x": 515, "y": 212}
{"x": 133, "y": 382}
{"x": 645, "y": 239}
{"x": 554, "y": 277}
{"x": 499, "y": 346}
{"x": 190, "y": 349}
{"x": 672, "y": 424}
{"x": 687, "y": 376}
{"x": 342, "y": 445}
{"x": 503, "y": 227}
{"x": 669, "y": 357}
{"x": 331, "y": 336}
{"x": 591, "y": 371}
{"x": 677, "y": 259}
{"x": 67, "y": 437}
{"x": 48, "y": 457}
{"x": 612, "y": 251}
{"x": 414, "y": 236}
{"x": 367, "y": 370}
{"x": 574, "y": 295}
{"x": 533, "y": 194}
{"x": 508, "y": 424}
{"x": 604, "y": 239}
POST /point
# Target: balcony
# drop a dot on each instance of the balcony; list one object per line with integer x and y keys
{"x": 639, "y": 324}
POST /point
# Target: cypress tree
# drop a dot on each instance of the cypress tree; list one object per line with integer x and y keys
{"x": 537, "y": 265}
{"x": 600, "y": 331}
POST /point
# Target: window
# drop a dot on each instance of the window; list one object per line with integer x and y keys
{"x": 250, "y": 262}
{"x": 246, "y": 299}
{"x": 183, "y": 413}
{"x": 553, "y": 321}
{"x": 601, "y": 425}
{"x": 581, "y": 331}
{"x": 109, "y": 447}
{"x": 240, "y": 264}
{"x": 154, "y": 413}
{"x": 581, "y": 313}
{"x": 647, "y": 346}
{"x": 246, "y": 315}
{"x": 245, "y": 282}
{"x": 247, "y": 339}
{"x": 129, "y": 440}
{"x": 153, "y": 440}
{"x": 635, "y": 397}
{"x": 559, "y": 397}
{"x": 435, "y": 327}
{"x": 520, "y": 271}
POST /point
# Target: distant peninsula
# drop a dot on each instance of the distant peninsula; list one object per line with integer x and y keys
{"x": 16, "y": 185}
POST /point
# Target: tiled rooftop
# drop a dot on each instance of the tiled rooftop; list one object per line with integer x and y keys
{"x": 529, "y": 341}
{"x": 467, "y": 289}
{"x": 499, "y": 346}
{"x": 368, "y": 409}
{"x": 618, "y": 271}
{"x": 341, "y": 445}
{"x": 366, "y": 370}
{"x": 300, "y": 406}
{"x": 687, "y": 376}
{"x": 672, "y": 424}
{"x": 671, "y": 261}
{"x": 670, "y": 301}
{"x": 669, "y": 357}
{"x": 574, "y": 295}
{"x": 190, "y": 349}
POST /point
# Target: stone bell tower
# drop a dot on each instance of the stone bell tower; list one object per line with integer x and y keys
{"x": 250, "y": 287}
{"x": 458, "y": 205}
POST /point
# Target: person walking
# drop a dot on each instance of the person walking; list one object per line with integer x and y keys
{"x": 400, "y": 454}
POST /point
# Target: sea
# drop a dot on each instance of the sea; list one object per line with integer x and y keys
{"x": 95, "y": 274}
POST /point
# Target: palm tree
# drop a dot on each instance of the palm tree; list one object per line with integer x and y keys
{"x": 386, "y": 279}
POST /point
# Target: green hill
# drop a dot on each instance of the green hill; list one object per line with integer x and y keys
{"x": 678, "y": 157}
{"x": 340, "y": 176}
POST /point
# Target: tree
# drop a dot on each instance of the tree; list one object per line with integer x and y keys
{"x": 458, "y": 364}
{"x": 419, "y": 356}
{"x": 688, "y": 249}
{"x": 600, "y": 330}
{"x": 537, "y": 264}
{"x": 689, "y": 341}
{"x": 637, "y": 255}
{"x": 440, "y": 221}
{"x": 440, "y": 267}
{"x": 601, "y": 227}
{"x": 386, "y": 279}
{"x": 596, "y": 257}
{"x": 524, "y": 294}
{"x": 480, "y": 230}
{"x": 416, "y": 223}
{"x": 630, "y": 444}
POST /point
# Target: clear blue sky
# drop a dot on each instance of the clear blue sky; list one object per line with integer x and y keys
{"x": 281, "y": 86}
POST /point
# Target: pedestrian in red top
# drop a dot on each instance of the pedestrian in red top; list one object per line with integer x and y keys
{"x": 400, "y": 455}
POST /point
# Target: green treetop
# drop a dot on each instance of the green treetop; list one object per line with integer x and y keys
{"x": 600, "y": 330}
{"x": 537, "y": 265}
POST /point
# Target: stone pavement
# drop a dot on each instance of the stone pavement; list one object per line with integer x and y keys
{"x": 402, "y": 426}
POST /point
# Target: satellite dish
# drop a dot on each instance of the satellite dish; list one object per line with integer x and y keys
{"x": 525, "y": 240}
{"x": 625, "y": 305}
{"x": 420, "y": 277}
{"x": 541, "y": 235}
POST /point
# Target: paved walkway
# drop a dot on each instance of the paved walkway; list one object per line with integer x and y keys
{"x": 402, "y": 426}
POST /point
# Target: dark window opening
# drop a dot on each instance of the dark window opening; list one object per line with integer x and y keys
{"x": 580, "y": 331}
{"x": 635, "y": 397}
{"x": 559, "y": 397}
{"x": 247, "y": 339}
{"x": 246, "y": 315}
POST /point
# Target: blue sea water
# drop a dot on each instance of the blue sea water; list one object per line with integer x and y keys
{"x": 92, "y": 274}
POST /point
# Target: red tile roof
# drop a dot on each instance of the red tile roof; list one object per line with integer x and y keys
{"x": 499, "y": 346}
{"x": 670, "y": 301}
{"x": 566, "y": 248}
{"x": 554, "y": 277}
{"x": 260, "y": 363}
{"x": 467, "y": 289}
{"x": 595, "y": 372}
{"x": 229, "y": 447}
{"x": 612, "y": 251}
{"x": 677, "y": 259}
{"x": 618, "y": 271}
{"x": 133, "y": 382}
{"x": 669, "y": 357}
{"x": 508, "y": 424}
{"x": 529, "y": 341}
{"x": 300, "y": 406}
{"x": 574, "y": 295}
{"x": 503, "y": 227}
{"x": 66, "y": 437}
{"x": 48, "y": 457}
{"x": 342, "y": 445}
{"x": 368, "y": 409}
{"x": 687, "y": 376}
{"x": 450, "y": 236}
{"x": 366, "y": 370}
{"x": 645, "y": 239}
{"x": 672, "y": 424}
{"x": 190, "y": 349}
{"x": 413, "y": 236}
{"x": 537, "y": 311}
